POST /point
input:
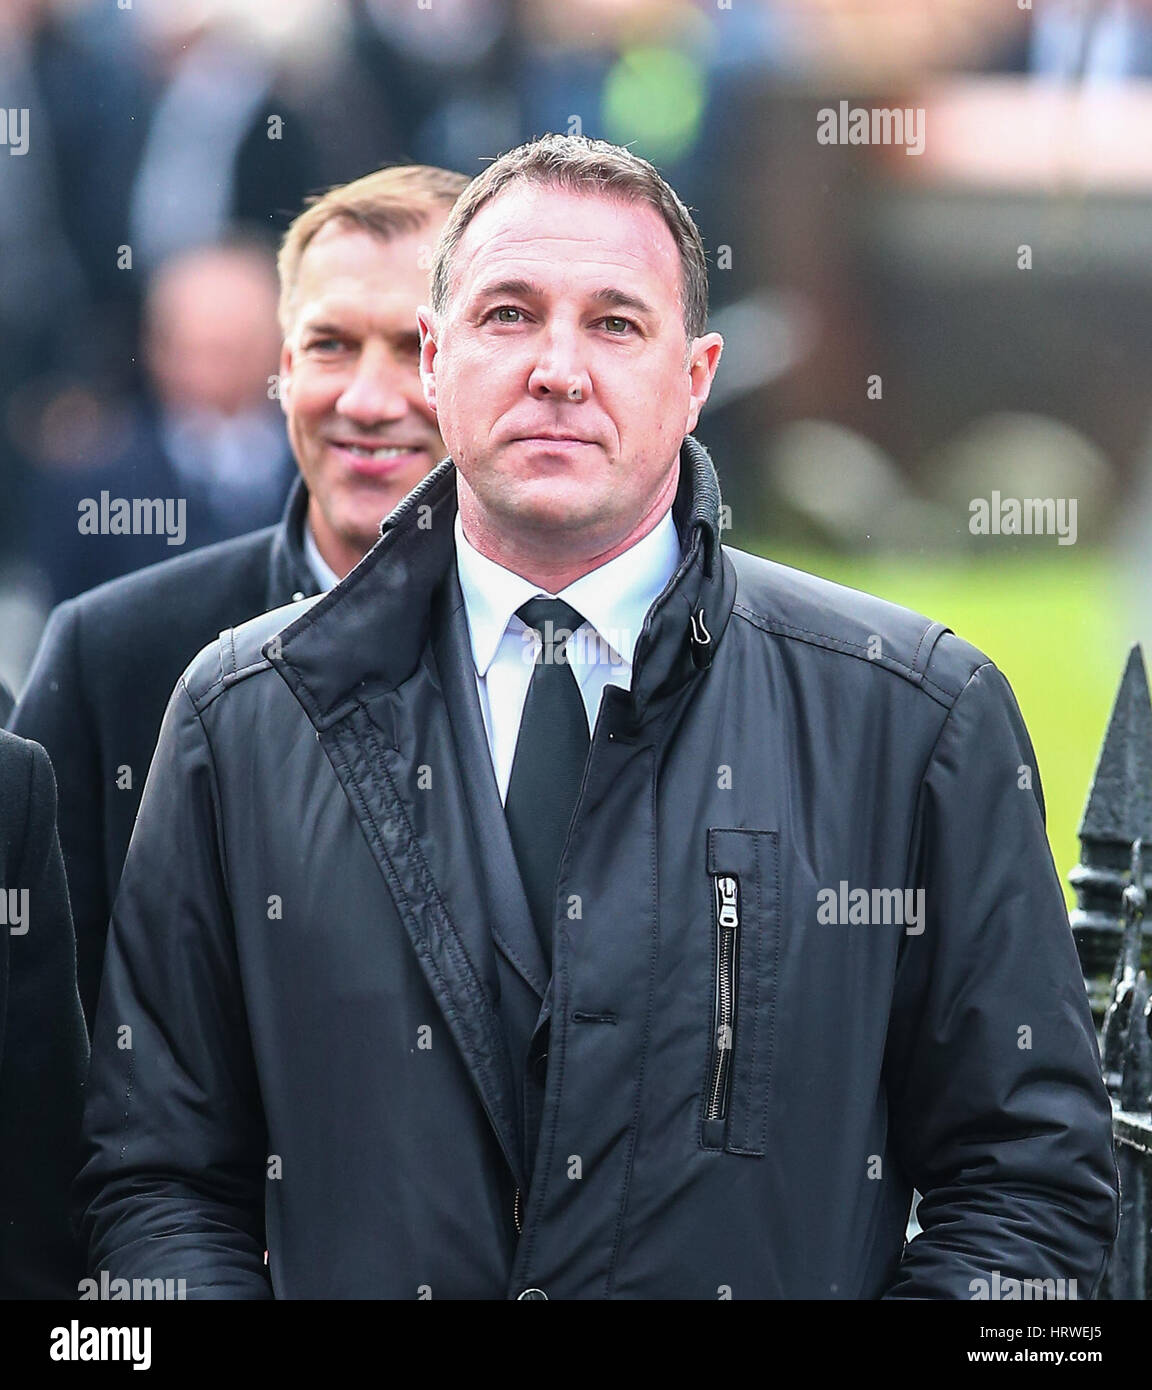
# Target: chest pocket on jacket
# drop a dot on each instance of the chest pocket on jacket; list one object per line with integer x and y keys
{"x": 743, "y": 866}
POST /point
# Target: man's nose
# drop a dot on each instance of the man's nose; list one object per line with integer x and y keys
{"x": 560, "y": 370}
{"x": 378, "y": 389}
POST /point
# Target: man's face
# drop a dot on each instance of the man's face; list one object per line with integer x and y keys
{"x": 211, "y": 340}
{"x": 360, "y": 429}
{"x": 558, "y": 371}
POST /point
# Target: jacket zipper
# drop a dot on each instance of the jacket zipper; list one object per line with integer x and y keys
{"x": 516, "y": 1210}
{"x": 724, "y": 1008}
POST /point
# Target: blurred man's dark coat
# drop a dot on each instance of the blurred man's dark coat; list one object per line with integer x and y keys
{"x": 143, "y": 467}
{"x": 105, "y": 668}
{"x": 43, "y": 1042}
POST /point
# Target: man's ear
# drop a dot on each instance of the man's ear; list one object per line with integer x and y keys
{"x": 285, "y": 382}
{"x": 703, "y": 360}
{"x": 428, "y": 349}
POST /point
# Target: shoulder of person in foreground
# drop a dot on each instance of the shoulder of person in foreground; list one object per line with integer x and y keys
{"x": 44, "y": 1048}
{"x": 809, "y": 609}
{"x": 239, "y": 651}
{"x": 996, "y": 1103}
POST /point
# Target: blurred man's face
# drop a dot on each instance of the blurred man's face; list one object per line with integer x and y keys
{"x": 212, "y": 339}
{"x": 561, "y": 375}
{"x": 360, "y": 428}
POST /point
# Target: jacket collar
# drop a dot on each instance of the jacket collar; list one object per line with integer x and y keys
{"x": 366, "y": 636}
{"x": 290, "y": 575}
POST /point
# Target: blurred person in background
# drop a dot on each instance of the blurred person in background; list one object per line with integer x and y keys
{"x": 450, "y": 75}
{"x": 1070, "y": 40}
{"x": 207, "y": 436}
{"x": 64, "y": 180}
{"x": 224, "y": 143}
{"x": 353, "y": 271}
{"x": 43, "y": 1042}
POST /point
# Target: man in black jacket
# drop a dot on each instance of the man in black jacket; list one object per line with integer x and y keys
{"x": 353, "y": 270}
{"x": 43, "y": 1043}
{"x": 567, "y": 905}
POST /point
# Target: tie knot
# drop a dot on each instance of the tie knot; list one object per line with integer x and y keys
{"x": 552, "y": 618}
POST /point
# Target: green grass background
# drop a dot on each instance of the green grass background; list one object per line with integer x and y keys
{"x": 1052, "y": 621}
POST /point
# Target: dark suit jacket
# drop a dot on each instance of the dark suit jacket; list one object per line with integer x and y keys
{"x": 96, "y": 695}
{"x": 140, "y": 467}
{"x": 43, "y": 1043}
{"x": 6, "y": 703}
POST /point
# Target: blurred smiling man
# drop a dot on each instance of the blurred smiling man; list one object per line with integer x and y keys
{"x": 354, "y": 269}
{"x": 506, "y": 958}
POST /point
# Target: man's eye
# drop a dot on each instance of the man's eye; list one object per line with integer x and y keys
{"x": 500, "y": 314}
{"x": 324, "y": 344}
{"x": 616, "y": 325}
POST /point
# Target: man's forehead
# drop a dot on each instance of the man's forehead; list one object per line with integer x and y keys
{"x": 540, "y": 225}
{"x": 352, "y": 273}
{"x": 343, "y": 251}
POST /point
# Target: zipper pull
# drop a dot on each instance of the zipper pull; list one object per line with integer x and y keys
{"x": 727, "y": 903}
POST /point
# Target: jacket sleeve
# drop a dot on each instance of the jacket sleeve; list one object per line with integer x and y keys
{"x": 54, "y": 710}
{"x": 997, "y": 1108}
{"x": 174, "y": 1131}
{"x": 45, "y": 1054}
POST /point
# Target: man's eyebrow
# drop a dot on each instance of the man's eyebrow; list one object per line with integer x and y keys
{"x": 321, "y": 325}
{"x": 514, "y": 288}
{"x": 618, "y": 299}
{"x": 328, "y": 326}
{"x": 328, "y": 316}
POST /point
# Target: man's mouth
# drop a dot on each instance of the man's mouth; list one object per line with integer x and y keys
{"x": 558, "y": 439}
{"x": 377, "y": 464}
{"x": 379, "y": 451}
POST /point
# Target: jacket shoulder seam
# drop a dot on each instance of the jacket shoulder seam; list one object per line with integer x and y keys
{"x": 984, "y": 666}
{"x": 931, "y": 758}
{"x": 849, "y": 648}
{"x": 228, "y": 671}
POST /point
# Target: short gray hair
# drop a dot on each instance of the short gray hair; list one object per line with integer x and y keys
{"x": 582, "y": 165}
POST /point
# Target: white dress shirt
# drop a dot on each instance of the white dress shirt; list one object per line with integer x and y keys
{"x": 613, "y": 600}
{"x": 325, "y": 575}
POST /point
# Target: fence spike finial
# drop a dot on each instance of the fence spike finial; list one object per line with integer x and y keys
{"x": 1118, "y": 813}
{"x": 1119, "y": 806}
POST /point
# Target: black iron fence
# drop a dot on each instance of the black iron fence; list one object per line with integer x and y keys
{"x": 1112, "y": 883}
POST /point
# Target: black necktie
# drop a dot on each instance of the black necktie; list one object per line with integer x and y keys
{"x": 548, "y": 766}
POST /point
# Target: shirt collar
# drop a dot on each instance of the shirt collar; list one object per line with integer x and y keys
{"x": 614, "y": 599}
{"x": 326, "y": 576}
